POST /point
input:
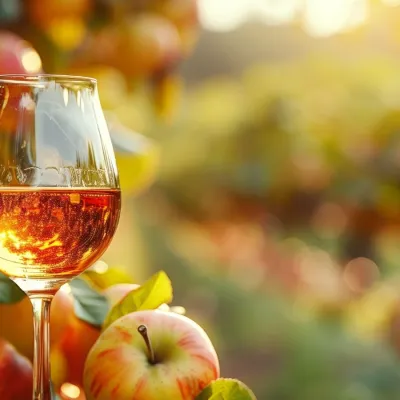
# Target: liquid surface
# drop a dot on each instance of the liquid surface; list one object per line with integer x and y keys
{"x": 46, "y": 233}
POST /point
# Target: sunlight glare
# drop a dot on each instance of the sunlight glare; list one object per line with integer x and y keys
{"x": 276, "y": 11}
{"x": 31, "y": 61}
{"x": 66, "y": 288}
{"x": 321, "y": 18}
{"x": 100, "y": 267}
{"x": 327, "y": 18}
{"x": 224, "y": 15}
{"x": 65, "y": 96}
{"x": 391, "y": 3}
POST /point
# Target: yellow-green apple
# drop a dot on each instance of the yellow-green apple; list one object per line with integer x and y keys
{"x": 150, "y": 355}
{"x": 15, "y": 374}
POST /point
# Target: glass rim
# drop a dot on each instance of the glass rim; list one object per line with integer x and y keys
{"x": 34, "y": 79}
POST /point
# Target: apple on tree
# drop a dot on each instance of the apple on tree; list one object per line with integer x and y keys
{"x": 150, "y": 355}
{"x": 17, "y": 56}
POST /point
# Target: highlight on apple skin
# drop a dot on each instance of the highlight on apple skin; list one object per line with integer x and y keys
{"x": 168, "y": 357}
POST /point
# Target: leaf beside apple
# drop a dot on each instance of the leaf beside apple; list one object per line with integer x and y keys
{"x": 149, "y": 296}
{"x": 89, "y": 305}
{"x": 9, "y": 291}
{"x": 109, "y": 277}
{"x": 226, "y": 389}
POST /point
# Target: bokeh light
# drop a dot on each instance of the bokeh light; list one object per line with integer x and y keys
{"x": 31, "y": 61}
{"x": 224, "y": 15}
{"x": 360, "y": 274}
{"x": 320, "y": 18}
{"x": 70, "y": 391}
{"x": 392, "y": 3}
{"x": 325, "y": 18}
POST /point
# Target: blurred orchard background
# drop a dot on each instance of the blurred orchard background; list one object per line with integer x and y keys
{"x": 258, "y": 143}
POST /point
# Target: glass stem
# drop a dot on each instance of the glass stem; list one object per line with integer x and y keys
{"x": 41, "y": 356}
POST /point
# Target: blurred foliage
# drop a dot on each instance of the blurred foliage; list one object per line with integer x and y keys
{"x": 276, "y": 212}
{"x": 313, "y": 126}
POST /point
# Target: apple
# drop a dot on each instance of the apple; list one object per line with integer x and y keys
{"x": 15, "y": 374}
{"x": 74, "y": 346}
{"x": 17, "y": 56}
{"x": 150, "y": 355}
{"x": 138, "y": 46}
{"x": 69, "y": 352}
{"x": 116, "y": 293}
{"x": 16, "y": 321}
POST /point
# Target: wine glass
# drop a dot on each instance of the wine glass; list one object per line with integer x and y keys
{"x": 59, "y": 192}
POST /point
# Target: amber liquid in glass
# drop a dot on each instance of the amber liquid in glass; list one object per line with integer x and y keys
{"x": 55, "y": 233}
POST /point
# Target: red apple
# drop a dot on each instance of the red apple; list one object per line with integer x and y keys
{"x": 116, "y": 293}
{"x": 16, "y": 57}
{"x": 78, "y": 339}
{"x": 15, "y": 374}
{"x": 150, "y": 355}
{"x": 69, "y": 353}
{"x": 16, "y": 321}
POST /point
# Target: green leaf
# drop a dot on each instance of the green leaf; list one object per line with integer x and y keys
{"x": 226, "y": 389}
{"x": 10, "y": 292}
{"x": 111, "y": 276}
{"x": 90, "y": 305}
{"x": 154, "y": 292}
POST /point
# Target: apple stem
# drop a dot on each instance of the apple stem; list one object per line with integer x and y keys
{"x": 142, "y": 329}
